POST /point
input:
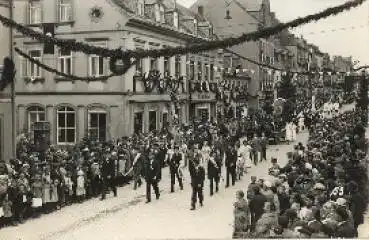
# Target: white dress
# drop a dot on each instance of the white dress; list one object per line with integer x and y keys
{"x": 288, "y": 132}
{"x": 294, "y": 134}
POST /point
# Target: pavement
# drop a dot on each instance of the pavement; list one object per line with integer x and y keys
{"x": 128, "y": 217}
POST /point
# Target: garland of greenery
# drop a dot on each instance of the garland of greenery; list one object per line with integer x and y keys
{"x": 53, "y": 70}
{"x": 117, "y": 54}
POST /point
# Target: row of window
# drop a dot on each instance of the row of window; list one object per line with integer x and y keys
{"x": 35, "y": 12}
{"x": 66, "y": 123}
{"x": 96, "y": 64}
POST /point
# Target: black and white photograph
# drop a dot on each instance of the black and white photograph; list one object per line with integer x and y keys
{"x": 184, "y": 119}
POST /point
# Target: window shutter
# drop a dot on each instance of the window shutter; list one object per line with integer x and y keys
{"x": 72, "y": 4}
{"x": 27, "y": 13}
{"x": 57, "y": 13}
{"x": 23, "y": 67}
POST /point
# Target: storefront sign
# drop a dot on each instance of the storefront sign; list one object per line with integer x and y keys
{"x": 203, "y": 96}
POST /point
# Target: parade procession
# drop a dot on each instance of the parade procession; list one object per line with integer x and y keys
{"x": 183, "y": 119}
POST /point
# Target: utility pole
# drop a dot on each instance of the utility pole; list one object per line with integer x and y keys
{"x": 12, "y": 86}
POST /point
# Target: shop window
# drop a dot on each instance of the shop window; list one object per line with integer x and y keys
{"x": 203, "y": 114}
{"x": 178, "y": 66}
{"x": 191, "y": 71}
{"x": 138, "y": 122}
{"x": 199, "y": 71}
{"x": 35, "y": 114}
{"x": 152, "y": 121}
{"x": 165, "y": 120}
{"x": 66, "y": 125}
{"x": 167, "y": 65}
{"x": 97, "y": 125}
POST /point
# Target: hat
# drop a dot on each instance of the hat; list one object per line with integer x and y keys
{"x": 267, "y": 184}
{"x": 85, "y": 149}
{"x": 319, "y": 186}
{"x": 341, "y": 202}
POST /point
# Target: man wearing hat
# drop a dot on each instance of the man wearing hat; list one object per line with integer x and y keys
{"x": 153, "y": 174}
{"x": 108, "y": 174}
{"x": 175, "y": 162}
{"x": 197, "y": 173}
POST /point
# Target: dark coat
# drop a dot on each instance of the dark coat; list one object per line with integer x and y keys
{"x": 231, "y": 158}
{"x": 345, "y": 230}
{"x": 214, "y": 169}
{"x": 175, "y": 161}
{"x": 257, "y": 205}
{"x": 152, "y": 168}
{"x": 197, "y": 175}
{"x": 108, "y": 168}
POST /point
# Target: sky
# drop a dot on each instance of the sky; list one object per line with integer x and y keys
{"x": 327, "y": 34}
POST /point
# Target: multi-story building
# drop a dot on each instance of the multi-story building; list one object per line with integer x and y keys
{"x": 68, "y": 110}
{"x": 231, "y": 19}
{"x": 5, "y": 95}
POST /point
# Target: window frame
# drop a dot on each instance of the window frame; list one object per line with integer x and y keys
{"x": 90, "y": 57}
{"x": 64, "y": 59}
{"x": 66, "y": 112}
{"x": 34, "y": 5}
{"x": 167, "y": 65}
{"x": 199, "y": 70}
{"x": 33, "y": 66}
{"x": 69, "y": 10}
{"x": 156, "y": 120}
{"x": 97, "y": 111}
{"x": 35, "y": 110}
{"x": 178, "y": 65}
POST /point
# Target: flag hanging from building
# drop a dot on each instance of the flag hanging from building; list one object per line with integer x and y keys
{"x": 49, "y": 30}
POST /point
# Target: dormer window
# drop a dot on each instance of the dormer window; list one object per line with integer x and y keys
{"x": 175, "y": 19}
{"x": 141, "y": 7}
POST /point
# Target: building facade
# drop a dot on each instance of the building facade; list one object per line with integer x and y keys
{"x": 65, "y": 111}
{"x": 230, "y": 20}
{"x": 5, "y": 96}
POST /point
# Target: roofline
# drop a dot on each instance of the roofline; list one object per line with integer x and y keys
{"x": 163, "y": 30}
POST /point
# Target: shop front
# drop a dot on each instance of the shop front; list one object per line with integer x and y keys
{"x": 153, "y": 113}
{"x": 203, "y": 106}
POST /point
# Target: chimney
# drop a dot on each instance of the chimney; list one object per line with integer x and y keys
{"x": 200, "y": 10}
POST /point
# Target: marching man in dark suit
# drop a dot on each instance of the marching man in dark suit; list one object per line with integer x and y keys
{"x": 197, "y": 173}
{"x": 230, "y": 162}
{"x": 175, "y": 164}
{"x": 214, "y": 168}
{"x": 108, "y": 174}
{"x": 153, "y": 171}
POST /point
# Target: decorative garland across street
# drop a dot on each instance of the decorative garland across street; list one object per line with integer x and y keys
{"x": 53, "y": 70}
{"x": 117, "y": 54}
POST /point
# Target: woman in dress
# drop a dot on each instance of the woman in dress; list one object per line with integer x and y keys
{"x": 80, "y": 190}
{"x": 288, "y": 132}
{"x": 241, "y": 216}
{"x": 46, "y": 189}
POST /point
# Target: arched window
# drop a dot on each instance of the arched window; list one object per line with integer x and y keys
{"x": 35, "y": 114}
{"x": 66, "y": 125}
{"x": 97, "y": 124}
